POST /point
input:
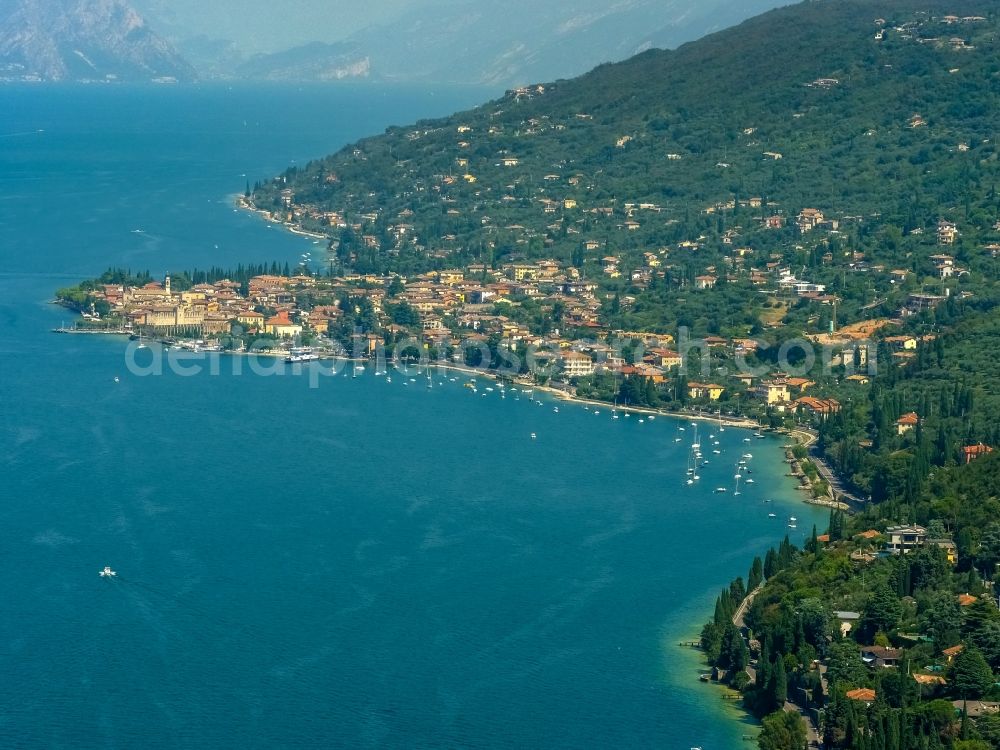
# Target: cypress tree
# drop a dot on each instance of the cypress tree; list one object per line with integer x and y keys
{"x": 770, "y": 564}
{"x": 720, "y": 615}
{"x": 756, "y": 575}
{"x": 780, "y": 682}
{"x": 892, "y": 732}
{"x": 737, "y": 592}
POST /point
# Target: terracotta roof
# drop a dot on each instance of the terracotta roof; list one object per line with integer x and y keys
{"x": 976, "y": 450}
{"x": 281, "y": 319}
{"x": 861, "y": 694}
{"x": 870, "y": 534}
{"x": 964, "y": 600}
{"x": 910, "y": 418}
{"x": 929, "y": 679}
{"x": 954, "y": 650}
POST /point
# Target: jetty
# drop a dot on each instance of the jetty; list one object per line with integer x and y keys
{"x": 101, "y": 331}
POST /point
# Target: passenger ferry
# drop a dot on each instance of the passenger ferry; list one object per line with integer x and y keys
{"x": 301, "y": 354}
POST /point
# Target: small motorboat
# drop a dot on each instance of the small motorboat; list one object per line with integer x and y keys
{"x": 108, "y": 572}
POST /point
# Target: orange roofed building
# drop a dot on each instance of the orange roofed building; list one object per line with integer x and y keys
{"x": 951, "y": 653}
{"x": 281, "y": 326}
{"x": 972, "y": 452}
{"x": 907, "y": 422}
{"x": 862, "y": 694}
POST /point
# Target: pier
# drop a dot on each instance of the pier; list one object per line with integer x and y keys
{"x": 102, "y": 331}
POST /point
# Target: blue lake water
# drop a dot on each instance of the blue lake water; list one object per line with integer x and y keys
{"x": 362, "y": 564}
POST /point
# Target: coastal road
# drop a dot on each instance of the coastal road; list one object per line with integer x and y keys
{"x": 808, "y": 438}
{"x": 812, "y": 733}
{"x": 837, "y": 486}
{"x": 744, "y": 606}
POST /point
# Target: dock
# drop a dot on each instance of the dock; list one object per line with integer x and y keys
{"x": 101, "y": 331}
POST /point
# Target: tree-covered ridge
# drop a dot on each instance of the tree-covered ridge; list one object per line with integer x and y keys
{"x": 800, "y": 107}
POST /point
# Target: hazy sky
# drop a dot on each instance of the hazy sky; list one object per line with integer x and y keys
{"x": 266, "y": 26}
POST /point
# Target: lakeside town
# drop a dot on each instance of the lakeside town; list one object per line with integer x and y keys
{"x": 480, "y": 317}
{"x": 460, "y": 310}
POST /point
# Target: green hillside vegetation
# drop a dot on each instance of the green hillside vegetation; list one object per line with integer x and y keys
{"x": 847, "y": 147}
{"x": 919, "y": 606}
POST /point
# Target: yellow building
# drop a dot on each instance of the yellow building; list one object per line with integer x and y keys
{"x": 282, "y": 327}
{"x": 773, "y": 392}
{"x": 711, "y": 391}
{"x": 251, "y": 319}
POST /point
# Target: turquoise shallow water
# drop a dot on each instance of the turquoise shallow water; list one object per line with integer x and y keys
{"x": 361, "y": 564}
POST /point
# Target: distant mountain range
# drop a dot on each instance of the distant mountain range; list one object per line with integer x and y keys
{"x": 83, "y": 40}
{"x": 510, "y": 43}
{"x": 434, "y": 41}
